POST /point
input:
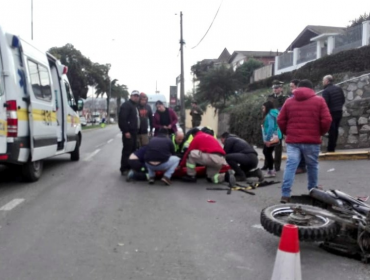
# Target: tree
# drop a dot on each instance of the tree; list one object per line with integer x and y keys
{"x": 119, "y": 92}
{"x": 359, "y": 20}
{"x": 217, "y": 86}
{"x": 245, "y": 71}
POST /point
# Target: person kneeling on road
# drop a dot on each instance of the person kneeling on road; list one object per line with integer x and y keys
{"x": 205, "y": 150}
{"x": 241, "y": 157}
{"x": 159, "y": 156}
{"x": 177, "y": 138}
{"x": 138, "y": 170}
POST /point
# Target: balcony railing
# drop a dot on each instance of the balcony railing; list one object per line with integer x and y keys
{"x": 307, "y": 53}
{"x": 285, "y": 60}
{"x": 351, "y": 39}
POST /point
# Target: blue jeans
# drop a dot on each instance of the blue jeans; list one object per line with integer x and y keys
{"x": 310, "y": 152}
{"x": 168, "y": 167}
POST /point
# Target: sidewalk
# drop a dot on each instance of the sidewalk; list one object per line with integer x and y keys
{"x": 351, "y": 154}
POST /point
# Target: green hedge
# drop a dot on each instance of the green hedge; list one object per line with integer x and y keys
{"x": 356, "y": 60}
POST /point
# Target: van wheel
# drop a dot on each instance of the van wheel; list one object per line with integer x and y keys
{"x": 75, "y": 155}
{"x": 32, "y": 170}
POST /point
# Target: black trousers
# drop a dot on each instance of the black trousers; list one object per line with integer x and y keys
{"x": 241, "y": 163}
{"x": 278, "y": 155}
{"x": 333, "y": 131}
{"x": 269, "y": 159}
{"x": 129, "y": 146}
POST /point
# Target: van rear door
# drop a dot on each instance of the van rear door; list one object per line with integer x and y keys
{"x": 3, "y": 120}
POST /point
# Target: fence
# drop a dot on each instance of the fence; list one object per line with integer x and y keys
{"x": 307, "y": 53}
{"x": 285, "y": 60}
{"x": 351, "y": 39}
{"x": 263, "y": 72}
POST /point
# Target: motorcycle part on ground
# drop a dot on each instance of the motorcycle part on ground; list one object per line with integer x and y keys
{"x": 310, "y": 227}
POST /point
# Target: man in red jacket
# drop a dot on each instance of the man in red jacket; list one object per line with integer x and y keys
{"x": 304, "y": 118}
{"x": 205, "y": 150}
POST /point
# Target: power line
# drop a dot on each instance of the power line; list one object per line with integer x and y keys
{"x": 209, "y": 26}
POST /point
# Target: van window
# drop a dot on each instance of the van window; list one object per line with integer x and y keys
{"x": 70, "y": 98}
{"x": 40, "y": 80}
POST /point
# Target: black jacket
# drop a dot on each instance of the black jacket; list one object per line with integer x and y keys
{"x": 129, "y": 117}
{"x": 160, "y": 148}
{"x": 334, "y": 97}
{"x": 234, "y": 144}
{"x": 277, "y": 100}
{"x": 146, "y": 118}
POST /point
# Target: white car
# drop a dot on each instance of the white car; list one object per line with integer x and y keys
{"x": 83, "y": 121}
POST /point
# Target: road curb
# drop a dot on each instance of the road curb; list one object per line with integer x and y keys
{"x": 353, "y": 155}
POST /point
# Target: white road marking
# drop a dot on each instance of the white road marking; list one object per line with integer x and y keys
{"x": 89, "y": 157}
{"x": 12, "y": 204}
{"x": 110, "y": 141}
{"x": 257, "y": 226}
{"x": 98, "y": 146}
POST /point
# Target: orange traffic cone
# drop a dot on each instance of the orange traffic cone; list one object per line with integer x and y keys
{"x": 288, "y": 260}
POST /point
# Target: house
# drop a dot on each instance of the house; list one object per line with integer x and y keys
{"x": 239, "y": 57}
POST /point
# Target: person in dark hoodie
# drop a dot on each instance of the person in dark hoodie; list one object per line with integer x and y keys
{"x": 241, "y": 157}
{"x": 159, "y": 156}
{"x": 129, "y": 123}
{"x": 146, "y": 119}
{"x": 304, "y": 119}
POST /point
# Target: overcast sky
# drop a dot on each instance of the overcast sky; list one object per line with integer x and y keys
{"x": 140, "y": 38}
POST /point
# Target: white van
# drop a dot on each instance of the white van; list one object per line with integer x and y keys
{"x": 38, "y": 115}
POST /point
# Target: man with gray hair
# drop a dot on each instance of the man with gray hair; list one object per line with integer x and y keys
{"x": 335, "y": 99}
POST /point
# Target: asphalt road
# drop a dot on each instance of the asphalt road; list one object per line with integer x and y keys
{"x": 83, "y": 221}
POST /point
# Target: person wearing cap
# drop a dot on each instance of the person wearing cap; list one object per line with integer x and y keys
{"x": 146, "y": 119}
{"x": 196, "y": 114}
{"x": 129, "y": 124}
{"x": 164, "y": 118}
{"x": 278, "y": 99}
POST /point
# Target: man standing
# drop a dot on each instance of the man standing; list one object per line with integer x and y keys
{"x": 278, "y": 99}
{"x": 241, "y": 157}
{"x": 196, "y": 114}
{"x": 303, "y": 119}
{"x": 129, "y": 124}
{"x": 302, "y": 164}
{"x": 335, "y": 99}
{"x": 146, "y": 119}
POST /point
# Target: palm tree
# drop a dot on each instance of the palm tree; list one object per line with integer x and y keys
{"x": 118, "y": 92}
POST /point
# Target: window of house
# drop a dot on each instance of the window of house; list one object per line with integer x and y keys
{"x": 40, "y": 81}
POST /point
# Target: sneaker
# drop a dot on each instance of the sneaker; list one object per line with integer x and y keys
{"x": 130, "y": 176}
{"x": 285, "y": 199}
{"x": 166, "y": 180}
{"x": 151, "y": 181}
{"x": 232, "y": 180}
{"x": 271, "y": 173}
{"x": 300, "y": 170}
{"x": 256, "y": 173}
{"x": 189, "y": 179}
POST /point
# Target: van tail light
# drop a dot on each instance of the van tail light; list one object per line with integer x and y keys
{"x": 12, "y": 118}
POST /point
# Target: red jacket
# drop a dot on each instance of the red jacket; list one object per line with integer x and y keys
{"x": 304, "y": 118}
{"x": 205, "y": 143}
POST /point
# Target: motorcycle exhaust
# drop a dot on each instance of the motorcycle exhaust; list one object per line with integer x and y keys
{"x": 325, "y": 197}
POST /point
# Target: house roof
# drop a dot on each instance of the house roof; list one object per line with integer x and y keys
{"x": 311, "y": 31}
{"x": 224, "y": 56}
{"x": 254, "y": 54}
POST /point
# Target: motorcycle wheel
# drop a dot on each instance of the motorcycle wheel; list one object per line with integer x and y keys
{"x": 310, "y": 227}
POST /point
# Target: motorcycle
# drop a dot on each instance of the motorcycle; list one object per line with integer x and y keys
{"x": 340, "y": 222}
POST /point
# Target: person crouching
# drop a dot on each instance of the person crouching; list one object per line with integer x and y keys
{"x": 159, "y": 156}
{"x": 205, "y": 150}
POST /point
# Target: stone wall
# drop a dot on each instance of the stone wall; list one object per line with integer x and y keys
{"x": 354, "y": 128}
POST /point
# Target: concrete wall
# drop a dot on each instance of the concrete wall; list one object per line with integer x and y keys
{"x": 208, "y": 119}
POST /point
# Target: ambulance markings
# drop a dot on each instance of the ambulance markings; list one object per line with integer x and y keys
{"x": 12, "y": 204}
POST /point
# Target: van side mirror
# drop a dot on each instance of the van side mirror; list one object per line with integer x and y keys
{"x": 80, "y": 105}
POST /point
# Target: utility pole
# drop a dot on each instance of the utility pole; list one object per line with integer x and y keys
{"x": 31, "y": 19}
{"x": 108, "y": 102}
{"x": 182, "y": 94}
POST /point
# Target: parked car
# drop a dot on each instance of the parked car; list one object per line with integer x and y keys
{"x": 83, "y": 121}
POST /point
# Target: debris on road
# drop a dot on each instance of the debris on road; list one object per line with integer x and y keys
{"x": 331, "y": 170}
{"x": 211, "y": 201}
